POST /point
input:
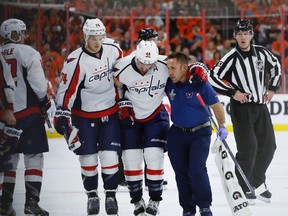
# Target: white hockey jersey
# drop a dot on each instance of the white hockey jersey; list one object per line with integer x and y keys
{"x": 27, "y": 72}
{"x": 6, "y": 85}
{"x": 87, "y": 86}
{"x": 146, "y": 92}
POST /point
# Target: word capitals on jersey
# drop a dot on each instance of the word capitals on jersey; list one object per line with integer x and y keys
{"x": 147, "y": 87}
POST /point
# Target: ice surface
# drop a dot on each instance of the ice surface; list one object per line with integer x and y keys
{"x": 63, "y": 194}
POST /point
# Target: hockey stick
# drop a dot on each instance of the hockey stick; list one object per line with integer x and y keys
{"x": 47, "y": 119}
{"x": 48, "y": 122}
{"x": 70, "y": 138}
{"x": 200, "y": 99}
{"x": 51, "y": 90}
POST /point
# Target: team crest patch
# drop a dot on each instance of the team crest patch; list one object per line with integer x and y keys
{"x": 172, "y": 94}
{"x": 189, "y": 95}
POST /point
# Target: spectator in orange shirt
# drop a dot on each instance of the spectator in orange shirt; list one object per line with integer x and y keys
{"x": 276, "y": 46}
{"x": 177, "y": 41}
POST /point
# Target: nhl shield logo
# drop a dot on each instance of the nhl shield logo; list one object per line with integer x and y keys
{"x": 260, "y": 65}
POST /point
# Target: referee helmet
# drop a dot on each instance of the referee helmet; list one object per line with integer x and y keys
{"x": 147, "y": 33}
{"x": 243, "y": 25}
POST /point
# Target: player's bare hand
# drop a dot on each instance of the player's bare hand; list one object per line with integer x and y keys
{"x": 8, "y": 117}
{"x": 268, "y": 96}
{"x": 241, "y": 97}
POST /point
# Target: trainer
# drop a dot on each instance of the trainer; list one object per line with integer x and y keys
{"x": 190, "y": 135}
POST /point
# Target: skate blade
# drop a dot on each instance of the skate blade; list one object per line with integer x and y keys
{"x": 32, "y": 214}
{"x": 251, "y": 202}
{"x": 113, "y": 214}
{"x": 263, "y": 199}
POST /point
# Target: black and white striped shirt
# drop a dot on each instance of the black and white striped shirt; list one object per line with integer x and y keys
{"x": 253, "y": 72}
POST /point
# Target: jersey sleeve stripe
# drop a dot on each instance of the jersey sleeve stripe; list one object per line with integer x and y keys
{"x": 72, "y": 87}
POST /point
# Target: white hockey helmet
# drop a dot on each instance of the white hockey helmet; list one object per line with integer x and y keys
{"x": 147, "y": 52}
{"x": 10, "y": 25}
{"x": 94, "y": 27}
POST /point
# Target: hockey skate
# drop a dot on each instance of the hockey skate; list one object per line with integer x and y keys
{"x": 7, "y": 210}
{"x": 250, "y": 198}
{"x": 140, "y": 208}
{"x": 205, "y": 212}
{"x": 188, "y": 214}
{"x": 152, "y": 208}
{"x": 111, "y": 206}
{"x": 32, "y": 208}
{"x": 93, "y": 204}
{"x": 263, "y": 194}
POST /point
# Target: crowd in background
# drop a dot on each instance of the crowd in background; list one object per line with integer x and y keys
{"x": 186, "y": 33}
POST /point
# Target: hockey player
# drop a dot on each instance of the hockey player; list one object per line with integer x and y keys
{"x": 7, "y": 88}
{"x": 190, "y": 135}
{"x": 9, "y": 135}
{"x": 146, "y": 34}
{"x": 86, "y": 102}
{"x": 149, "y": 34}
{"x": 145, "y": 123}
{"x": 30, "y": 105}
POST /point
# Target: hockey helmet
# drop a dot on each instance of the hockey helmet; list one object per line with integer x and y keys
{"x": 147, "y": 33}
{"x": 94, "y": 27}
{"x": 10, "y": 25}
{"x": 243, "y": 25}
{"x": 147, "y": 52}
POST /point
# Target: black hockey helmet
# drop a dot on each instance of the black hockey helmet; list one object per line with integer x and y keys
{"x": 147, "y": 33}
{"x": 243, "y": 25}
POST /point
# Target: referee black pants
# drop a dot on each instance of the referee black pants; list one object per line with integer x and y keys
{"x": 255, "y": 141}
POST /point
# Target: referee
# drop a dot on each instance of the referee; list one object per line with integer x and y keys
{"x": 250, "y": 75}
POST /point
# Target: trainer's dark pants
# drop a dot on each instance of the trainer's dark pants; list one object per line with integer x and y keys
{"x": 255, "y": 140}
{"x": 188, "y": 153}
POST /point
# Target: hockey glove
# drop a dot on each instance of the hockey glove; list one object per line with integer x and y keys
{"x": 223, "y": 132}
{"x": 62, "y": 120}
{"x": 45, "y": 105}
{"x": 198, "y": 74}
{"x": 62, "y": 124}
{"x": 126, "y": 112}
{"x": 9, "y": 137}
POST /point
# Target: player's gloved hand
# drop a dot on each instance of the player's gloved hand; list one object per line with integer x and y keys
{"x": 223, "y": 132}
{"x": 62, "y": 120}
{"x": 45, "y": 105}
{"x": 9, "y": 137}
{"x": 198, "y": 74}
{"x": 62, "y": 124}
{"x": 126, "y": 111}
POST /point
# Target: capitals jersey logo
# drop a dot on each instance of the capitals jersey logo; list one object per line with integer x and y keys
{"x": 189, "y": 95}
